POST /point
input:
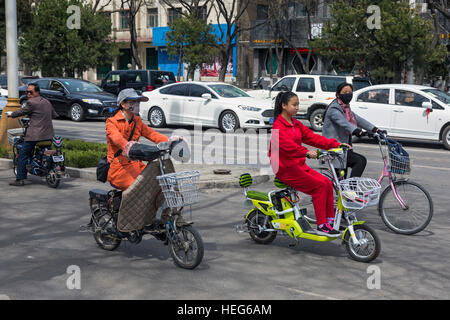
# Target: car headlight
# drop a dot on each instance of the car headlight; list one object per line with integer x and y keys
{"x": 248, "y": 108}
{"x": 92, "y": 101}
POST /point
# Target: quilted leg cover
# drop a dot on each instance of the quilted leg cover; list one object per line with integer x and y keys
{"x": 142, "y": 199}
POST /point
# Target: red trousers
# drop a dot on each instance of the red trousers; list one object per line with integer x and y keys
{"x": 311, "y": 182}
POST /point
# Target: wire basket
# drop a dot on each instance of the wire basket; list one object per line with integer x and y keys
{"x": 358, "y": 193}
{"x": 399, "y": 164}
{"x": 14, "y": 135}
{"x": 180, "y": 188}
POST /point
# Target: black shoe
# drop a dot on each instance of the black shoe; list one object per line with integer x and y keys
{"x": 327, "y": 230}
{"x": 17, "y": 183}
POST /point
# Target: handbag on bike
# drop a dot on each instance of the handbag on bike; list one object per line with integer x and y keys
{"x": 398, "y": 157}
{"x": 103, "y": 164}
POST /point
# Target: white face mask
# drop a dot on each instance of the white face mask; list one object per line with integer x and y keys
{"x": 135, "y": 107}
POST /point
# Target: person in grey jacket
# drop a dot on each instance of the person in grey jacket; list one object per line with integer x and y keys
{"x": 40, "y": 111}
{"x": 341, "y": 123}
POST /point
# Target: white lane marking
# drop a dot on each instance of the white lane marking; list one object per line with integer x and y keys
{"x": 4, "y": 297}
{"x": 416, "y": 166}
{"x": 310, "y": 293}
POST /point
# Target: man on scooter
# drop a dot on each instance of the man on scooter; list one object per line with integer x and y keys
{"x": 40, "y": 111}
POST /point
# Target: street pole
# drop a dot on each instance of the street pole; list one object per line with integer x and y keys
{"x": 13, "y": 80}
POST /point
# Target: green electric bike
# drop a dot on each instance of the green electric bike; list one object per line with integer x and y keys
{"x": 279, "y": 211}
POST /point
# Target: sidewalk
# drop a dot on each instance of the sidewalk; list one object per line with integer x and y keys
{"x": 208, "y": 179}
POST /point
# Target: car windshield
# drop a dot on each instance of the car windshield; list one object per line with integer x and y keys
{"x": 81, "y": 86}
{"x": 438, "y": 94}
{"x": 228, "y": 91}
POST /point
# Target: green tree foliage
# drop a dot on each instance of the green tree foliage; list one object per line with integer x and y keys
{"x": 51, "y": 46}
{"x": 403, "y": 38}
{"x": 191, "y": 40}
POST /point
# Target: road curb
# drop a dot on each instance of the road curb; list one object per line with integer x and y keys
{"x": 218, "y": 182}
{"x": 6, "y": 163}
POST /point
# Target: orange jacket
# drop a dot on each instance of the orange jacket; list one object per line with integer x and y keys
{"x": 123, "y": 172}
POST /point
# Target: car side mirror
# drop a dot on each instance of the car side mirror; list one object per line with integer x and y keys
{"x": 269, "y": 88}
{"x": 207, "y": 96}
{"x": 103, "y": 82}
{"x": 427, "y": 105}
{"x": 61, "y": 90}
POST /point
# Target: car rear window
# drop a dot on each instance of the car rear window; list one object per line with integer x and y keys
{"x": 330, "y": 84}
{"x": 177, "y": 90}
{"x": 360, "y": 83}
{"x": 161, "y": 78}
{"x": 133, "y": 78}
{"x": 43, "y": 84}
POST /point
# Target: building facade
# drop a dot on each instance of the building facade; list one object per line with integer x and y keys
{"x": 152, "y": 24}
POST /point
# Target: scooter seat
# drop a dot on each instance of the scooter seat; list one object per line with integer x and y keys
{"x": 49, "y": 152}
{"x": 100, "y": 195}
{"x": 257, "y": 195}
{"x": 44, "y": 143}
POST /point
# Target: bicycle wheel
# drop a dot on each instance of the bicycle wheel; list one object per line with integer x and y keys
{"x": 257, "y": 219}
{"x": 369, "y": 247}
{"x": 186, "y": 248}
{"x": 104, "y": 233}
{"x": 417, "y": 214}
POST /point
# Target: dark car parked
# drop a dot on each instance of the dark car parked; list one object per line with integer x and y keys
{"x": 74, "y": 98}
{"x": 140, "y": 80}
{"x": 23, "y": 80}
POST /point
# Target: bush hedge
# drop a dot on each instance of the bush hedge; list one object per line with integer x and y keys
{"x": 78, "y": 153}
{"x": 82, "y": 154}
{"x": 3, "y": 152}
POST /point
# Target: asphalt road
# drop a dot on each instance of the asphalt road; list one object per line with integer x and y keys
{"x": 41, "y": 246}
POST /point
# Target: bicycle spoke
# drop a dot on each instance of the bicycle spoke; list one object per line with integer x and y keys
{"x": 410, "y": 220}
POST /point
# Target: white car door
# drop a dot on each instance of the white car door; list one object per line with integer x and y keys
{"x": 410, "y": 119}
{"x": 285, "y": 84}
{"x": 305, "y": 91}
{"x": 373, "y": 105}
{"x": 175, "y": 100}
{"x": 198, "y": 109}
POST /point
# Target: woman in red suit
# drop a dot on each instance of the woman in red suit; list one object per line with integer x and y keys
{"x": 287, "y": 158}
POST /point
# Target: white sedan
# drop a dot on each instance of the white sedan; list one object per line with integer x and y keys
{"x": 211, "y": 104}
{"x": 406, "y": 111}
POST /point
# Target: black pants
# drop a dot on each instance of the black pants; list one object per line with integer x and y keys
{"x": 357, "y": 162}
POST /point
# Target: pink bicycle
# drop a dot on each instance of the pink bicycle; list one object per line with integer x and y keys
{"x": 405, "y": 206}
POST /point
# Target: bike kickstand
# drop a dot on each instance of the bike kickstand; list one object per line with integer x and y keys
{"x": 292, "y": 245}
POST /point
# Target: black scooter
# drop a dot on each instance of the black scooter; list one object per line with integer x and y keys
{"x": 45, "y": 161}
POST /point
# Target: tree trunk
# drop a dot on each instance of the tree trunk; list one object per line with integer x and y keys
{"x": 180, "y": 57}
{"x": 133, "y": 35}
{"x": 224, "y": 57}
{"x": 270, "y": 65}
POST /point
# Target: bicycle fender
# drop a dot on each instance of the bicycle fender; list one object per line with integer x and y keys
{"x": 346, "y": 229}
{"x": 248, "y": 214}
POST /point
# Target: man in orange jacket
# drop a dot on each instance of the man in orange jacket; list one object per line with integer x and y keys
{"x": 123, "y": 171}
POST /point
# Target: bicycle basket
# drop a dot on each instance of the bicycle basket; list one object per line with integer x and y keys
{"x": 358, "y": 193}
{"x": 399, "y": 161}
{"x": 14, "y": 135}
{"x": 180, "y": 188}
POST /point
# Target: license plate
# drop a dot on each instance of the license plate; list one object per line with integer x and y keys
{"x": 58, "y": 158}
{"x": 271, "y": 120}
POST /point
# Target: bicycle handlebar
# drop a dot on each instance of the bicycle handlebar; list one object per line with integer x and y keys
{"x": 144, "y": 152}
{"x": 322, "y": 154}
